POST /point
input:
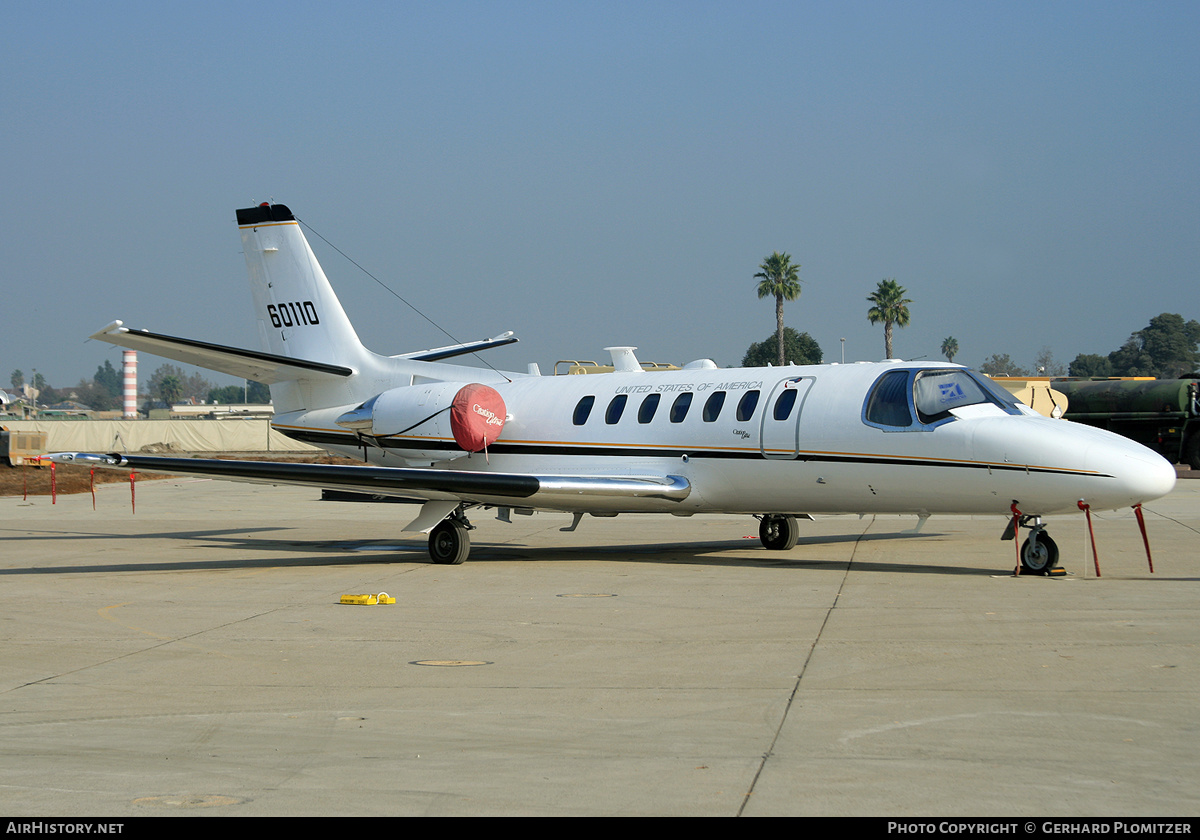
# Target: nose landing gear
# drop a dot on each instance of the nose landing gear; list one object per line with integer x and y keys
{"x": 1039, "y": 553}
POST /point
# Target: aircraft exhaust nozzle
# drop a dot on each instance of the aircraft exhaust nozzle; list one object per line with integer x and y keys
{"x": 360, "y": 419}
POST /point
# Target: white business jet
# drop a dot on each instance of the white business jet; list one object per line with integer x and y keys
{"x": 778, "y": 443}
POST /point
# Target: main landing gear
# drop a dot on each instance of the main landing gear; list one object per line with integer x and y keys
{"x": 450, "y": 539}
{"x": 1039, "y": 553}
{"x": 778, "y": 531}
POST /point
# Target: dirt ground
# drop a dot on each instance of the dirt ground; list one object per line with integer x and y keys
{"x": 71, "y": 478}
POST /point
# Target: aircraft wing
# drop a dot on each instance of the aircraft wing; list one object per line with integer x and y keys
{"x": 558, "y": 492}
{"x": 244, "y": 364}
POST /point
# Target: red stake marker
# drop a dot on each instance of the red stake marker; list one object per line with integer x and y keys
{"x": 1137, "y": 509}
{"x": 1016, "y": 535}
{"x": 1087, "y": 509}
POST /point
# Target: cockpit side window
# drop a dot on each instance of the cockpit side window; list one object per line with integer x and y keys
{"x": 888, "y": 403}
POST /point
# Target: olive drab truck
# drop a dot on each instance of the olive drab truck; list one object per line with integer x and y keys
{"x": 1162, "y": 414}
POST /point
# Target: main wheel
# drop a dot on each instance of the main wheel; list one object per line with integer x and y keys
{"x": 778, "y": 531}
{"x": 1040, "y": 557}
{"x": 449, "y": 543}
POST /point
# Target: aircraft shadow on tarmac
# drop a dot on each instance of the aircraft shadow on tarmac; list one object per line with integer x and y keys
{"x": 310, "y": 553}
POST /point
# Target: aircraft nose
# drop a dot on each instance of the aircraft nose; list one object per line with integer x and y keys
{"x": 1141, "y": 475}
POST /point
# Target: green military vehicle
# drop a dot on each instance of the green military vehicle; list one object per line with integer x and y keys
{"x": 1163, "y": 414}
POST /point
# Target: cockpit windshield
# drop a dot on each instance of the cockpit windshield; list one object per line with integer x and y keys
{"x": 930, "y": 395}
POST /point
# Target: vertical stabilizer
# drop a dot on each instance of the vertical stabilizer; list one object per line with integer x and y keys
{"x": 299, "y": 315}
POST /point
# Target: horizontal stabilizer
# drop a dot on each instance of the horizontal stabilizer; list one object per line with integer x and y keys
{"x": 437, "y": 354}
{"x": 255, "y": 365}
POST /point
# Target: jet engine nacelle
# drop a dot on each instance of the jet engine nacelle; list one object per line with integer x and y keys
{"x": 467, "y": 416}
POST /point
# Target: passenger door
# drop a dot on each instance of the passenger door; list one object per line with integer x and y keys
{"x": 780, "y": 433}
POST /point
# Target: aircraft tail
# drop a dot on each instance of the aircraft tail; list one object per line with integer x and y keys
{"x": 312, "y": 357}
{"x": 299, "y": 316}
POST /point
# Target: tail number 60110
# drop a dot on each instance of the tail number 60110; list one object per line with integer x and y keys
{"x": 299, "y": 313}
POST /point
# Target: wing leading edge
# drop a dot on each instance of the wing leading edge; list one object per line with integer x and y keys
{"x": 557, "y": 492}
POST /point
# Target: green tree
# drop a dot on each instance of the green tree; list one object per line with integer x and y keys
{"x": 779, "y": 279}
{"x": 999, "y": 364}
{"x": 92, "y": 395}
{"x": 950, "y": 347}
{"x": 227, "y": 395}
{"x": 39, "y": 381}
{"x": 166, "y": 384}
{"x": 1089, "y": 364}
{"x": 108, "y": 378}
{"x": 890, "y": 307}
{"x": 1166, "y": 348}
{"x": 17, "y": 379}
{"x": 183, "y": 386}
{"x": 170, "y": 389}
{"x": 258, "y": 393}
{"x": 800, "y": 348}
{"x": 253, "y": 393}
{"x": 1046, "y": 365}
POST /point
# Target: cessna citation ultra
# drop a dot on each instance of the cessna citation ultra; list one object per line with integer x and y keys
{"x": 778, "y": 443}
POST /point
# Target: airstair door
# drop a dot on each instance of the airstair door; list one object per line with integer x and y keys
{"x": 780, "y": 437}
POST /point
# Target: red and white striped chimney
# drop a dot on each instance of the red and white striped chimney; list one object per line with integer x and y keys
{"x": 129, "y": 364}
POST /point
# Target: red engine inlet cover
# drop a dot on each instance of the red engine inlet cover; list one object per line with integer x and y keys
{"x": 476, "y": 417}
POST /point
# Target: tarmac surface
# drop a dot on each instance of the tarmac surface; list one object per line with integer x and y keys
{"x": 193, "y": 658}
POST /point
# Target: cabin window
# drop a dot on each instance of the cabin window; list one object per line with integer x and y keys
{"x": 888, "y": 403}
{"x": 648, "y": 407}
{"x": 679, "y": 408}
{"x": 746, "y": 406}
{"x": 615, "y": 409}
{"x": 785, "y": 403}
{"x": 712, "y": 406}
{"x": 583, "y": 409}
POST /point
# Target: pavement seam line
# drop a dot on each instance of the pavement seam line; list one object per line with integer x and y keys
{"x": 762, "y": 764}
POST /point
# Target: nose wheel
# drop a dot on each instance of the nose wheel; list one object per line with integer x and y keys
{"x": 1039, "y": 554}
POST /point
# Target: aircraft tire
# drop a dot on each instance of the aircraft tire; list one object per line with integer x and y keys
{"x": 1039, "y": 559}
{"x": 778, "y": 531}
{"x": 449, "y": 543}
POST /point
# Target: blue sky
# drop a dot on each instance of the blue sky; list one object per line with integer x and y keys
{"x": 607, "y": 173}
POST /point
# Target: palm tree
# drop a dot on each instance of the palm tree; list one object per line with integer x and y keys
{"x": 781, "y": 280}
{"x": 950, "y": 348}
{"x": 170, "y": 389}
{"x": 891, "y": 307}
